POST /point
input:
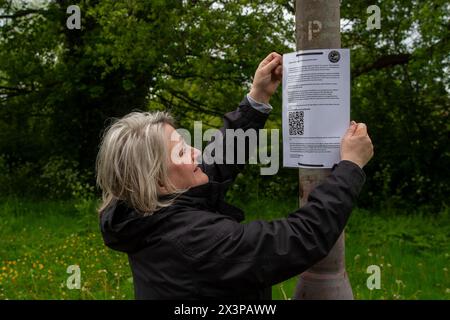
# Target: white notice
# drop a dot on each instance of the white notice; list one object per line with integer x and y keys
{"x": 316, "y": 106}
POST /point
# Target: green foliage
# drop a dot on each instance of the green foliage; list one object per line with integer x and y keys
{"x": 400, "y": 88}
{"x": 196, "y": 59}
{"x": 58, "y": 178}
{"x": 17, "y": 180}
{"x": 60, "y": 85}
{"x": 62, "y": 179}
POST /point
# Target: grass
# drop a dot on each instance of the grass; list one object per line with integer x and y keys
{"x": 40, "y": 240}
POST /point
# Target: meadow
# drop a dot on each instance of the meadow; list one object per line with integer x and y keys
{"x": 40, "y": 239}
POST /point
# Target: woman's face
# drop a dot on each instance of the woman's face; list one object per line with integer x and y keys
{"x": 184, "y": 171}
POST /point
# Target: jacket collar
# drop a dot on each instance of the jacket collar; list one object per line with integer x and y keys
{"x": 209, "y": 196}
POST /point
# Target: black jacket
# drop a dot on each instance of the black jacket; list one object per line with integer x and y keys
{"x": 197, "y": 247}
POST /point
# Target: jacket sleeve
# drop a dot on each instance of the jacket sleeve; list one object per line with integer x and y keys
{"x": 262, "y": 253}
{"x": 244, "y": 117}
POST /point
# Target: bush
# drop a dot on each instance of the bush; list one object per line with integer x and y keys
{"x": 57, "y": 178}
{"x": 61, "y": 179}
{"x": 17, "y": 180}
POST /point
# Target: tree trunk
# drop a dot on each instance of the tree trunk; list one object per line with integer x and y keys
{"x": 318, "y": 27}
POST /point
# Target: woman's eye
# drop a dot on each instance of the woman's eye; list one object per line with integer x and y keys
{"x": 182, "y": 151}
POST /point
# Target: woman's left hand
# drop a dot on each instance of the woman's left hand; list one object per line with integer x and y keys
{"x": 267, "y": 78}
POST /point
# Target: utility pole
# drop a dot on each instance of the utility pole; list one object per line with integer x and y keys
{"x": 318, "y": 27}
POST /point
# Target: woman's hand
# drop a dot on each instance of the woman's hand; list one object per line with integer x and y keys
{"x": 356, "y": 145}
{"x": 267, "y": 78}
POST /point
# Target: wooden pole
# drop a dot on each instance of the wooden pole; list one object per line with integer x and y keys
{"x": 318, "y": 27}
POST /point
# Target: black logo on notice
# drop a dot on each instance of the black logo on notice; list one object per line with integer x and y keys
{"x": 334, "y": 56}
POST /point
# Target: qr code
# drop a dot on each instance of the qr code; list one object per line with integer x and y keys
{"x": 296, "y": 124}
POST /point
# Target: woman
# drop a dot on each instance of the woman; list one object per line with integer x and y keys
{"x": 182, "y": 239}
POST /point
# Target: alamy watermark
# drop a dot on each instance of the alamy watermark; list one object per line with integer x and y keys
{"x": 374, "y": 280}
{"x": 314, "y": 26}
{"x": 74, "y": 280}
{"x": 74, "y": 20}
{"x": 374, "y": 21}
{"x": 230, "y": 146}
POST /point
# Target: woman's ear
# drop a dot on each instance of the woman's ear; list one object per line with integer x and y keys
{"x": 162, "y": 189}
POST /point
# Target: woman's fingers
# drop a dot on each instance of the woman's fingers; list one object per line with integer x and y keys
{"x": 279, "y": 70}
{"x": 269, "y": 58}
{"x": 351, "y": 129}
{"x": 271, "y": 65}
{"x": 361, "y": 129}
{"x": 267, "y": 77}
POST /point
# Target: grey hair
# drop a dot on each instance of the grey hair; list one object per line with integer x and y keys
{"x": 132, "y": 162}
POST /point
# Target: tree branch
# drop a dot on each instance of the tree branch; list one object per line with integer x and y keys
{"x": 170, "y": 104}
{"x": 401, "y": 58}
{"x": 15, "y": 89}
{"x": 290, "y": 8}
{"x": 193, "y": 75}
{"x": 22, "y": 13}
{"x": 194, "y": 103}
{"x": 384, "y": 62}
